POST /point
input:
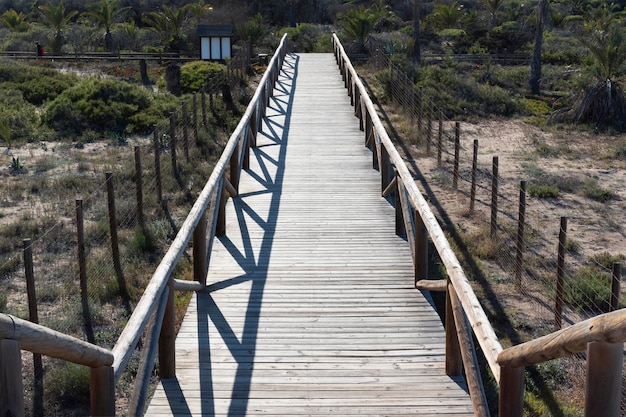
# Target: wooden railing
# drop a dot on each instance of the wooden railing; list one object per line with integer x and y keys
{"x": 602, "y": 336}
{"x": 154, "y": 313}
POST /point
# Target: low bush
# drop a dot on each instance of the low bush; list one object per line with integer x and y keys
{"x": 543, "y": 190}
{"x": 307, "y": 37}
{"x": 68, "y": 384}
{"x": 589, "y": 289}
{"x": 195, "y": 74}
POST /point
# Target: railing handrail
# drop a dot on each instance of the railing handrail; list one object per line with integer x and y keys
{"x": 40, "y": 339}
{"x": 146, "y": 306}
{"x": 607, "y": 327}
{"x": 479, "y": 323}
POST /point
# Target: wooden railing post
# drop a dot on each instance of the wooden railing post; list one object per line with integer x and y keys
{"x": 11, "y": 385}
{"x": 511, "y": 402}
{"x": 385, "y": 168}
{"x": 234, "y": 166}
{"x": 200, "y": 251}
{"x": 167, "y": 339}
{"x": 400, "y": 227}
{"x": 421, "y": 248}
{"x": 603, "y": 393}
{"x": 454, "y": 362}
{"x": 220, "y": 227}
{"x": 102, "y": 391}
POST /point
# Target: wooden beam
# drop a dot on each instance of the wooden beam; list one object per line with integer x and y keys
{"x": 182, "y": 285}
{"x": 432, "y": 285}
{"x": 232, "y": 191}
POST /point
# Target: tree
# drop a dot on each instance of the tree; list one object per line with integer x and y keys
{"x": 447, "y": 16}
{"x": 57, "y": 18}
{"x": 199, "y": 9}
{"x": 105, "y": 14}
{"x": 168, "y": 23}
{"x": 535, "y": 63}
{"x": 360, "y": 22}
{"x": 416, "y": 32}
{"x": 14, "y": 21}
{"x": 253, "y": 30}
{"x": 493, "y": 6}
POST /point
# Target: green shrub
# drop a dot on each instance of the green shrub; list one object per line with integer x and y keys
{"x": 307, "y": 37}
{"x": 543, "y": 190}
{"x": 68, "y": 384}
{"x": 606, "y": 260}
{"x": 19, "y": 116}
{"x": 195, "y": 74}
{"x": 589, "y": 289}
{"x": 37, "y": 84}
{"x": 3, "y": 302}
{"x": 103, "y": 105}
{"x": 593, "y": 191}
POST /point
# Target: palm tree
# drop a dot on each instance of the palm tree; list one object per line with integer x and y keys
{"x": 493, "y": 6}
{"x": 56, "y": 17}
{"x": 360, "y": 22}
{"x": 105, "y": 14}
{"x": 448, "y": 16}
{"x": 253, "y": 30}
{"x": 168, "y": 23}
{"x": 14, "y": 21}
{"x": 535, "y": 63}
{"x": 199, "y": 9}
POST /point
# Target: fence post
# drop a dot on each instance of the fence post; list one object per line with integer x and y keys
{"x": 521, "y": 223}
{"x": 33, "y": 316}
{"x": 560, "y": 274}
{"x": 420, "y": 113}
{"x": 102, "y": 391}
{"x": 421, "y": 248}
{"x": 167, "y": 339}
{"x": 185, "y": 123}
{"x": 457, "y": 154}
{"x": 203, "y": 107}
{"x": 603, "y": 393}
{"x": 194, "y": 104}
{"x": 157, "y": 163}
{"x": 11, "y": 385}
{"x": 200, "y": 251}
{"x": 115, "y": 243}
{"x": 440, "y": 139}
{"x": 511, "y": 402}
{"x": 82, "y": 268}
{"x": 139, "y": 188}
{"x": 494, "y": 197}
{"x": 429, "y": 127}
{"x": 173, "y": 141}
{"x": 615, "y": 286}
{"x": 474, "y": 169}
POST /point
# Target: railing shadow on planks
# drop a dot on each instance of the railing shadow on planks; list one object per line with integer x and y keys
{"x": 602, "y": 337}
{"x": 154, "y": 313}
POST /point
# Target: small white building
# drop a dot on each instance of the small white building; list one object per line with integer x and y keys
{"x": 215, "y": 42}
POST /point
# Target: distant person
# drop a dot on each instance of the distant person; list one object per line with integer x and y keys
{"x": 40, "y": 51}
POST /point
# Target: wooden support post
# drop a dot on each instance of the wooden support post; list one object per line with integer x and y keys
{"x": 82, "y": 268}
{"x": 440, "y": 139}
{"x": 421, "y": 248}
{"x": 157, "y": 164}
{"x": 520, "y": 246}
{"x": 511, "y": 402}
{"x": 368, "y": 129}
{"x": 247, "y": 134}
{"x": 185, "y": 123}
{"x": 11, "y": 385}
{"x": 615, "y": 286}
{"x": 222, "y": 198}
{"x": 234, "y": 167}
{"x": 200, "y": 251}
{"x": 603, "y": 393}
{"x": 454, "y": 362}
{"x": 385, "y": 168}
{"x": 457, "y": 155}
{"x": 102, "y": 391}
{"x": 139, "y": 188}
{"x": 474, "y": 172}
{"x": 429, "y": 126}
{"x": 167, "y": 339}
{"x": 173, "y": 141}
{"x": 33, "y": 316}
{"x": 400, "y": 228}
{"x": 253, "y": 127}
{"x": 494, "y": 197}
{"x": 357, "y": 102}
{"x": 375, "y": 164}
{"x": 560, "y": 274}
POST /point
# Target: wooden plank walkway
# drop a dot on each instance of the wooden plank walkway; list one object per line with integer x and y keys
{"x": 311, "y": 308}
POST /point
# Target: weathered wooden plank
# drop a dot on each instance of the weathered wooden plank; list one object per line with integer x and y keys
{"x": 310, "y": 307}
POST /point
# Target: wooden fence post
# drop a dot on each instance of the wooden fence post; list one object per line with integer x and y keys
{"x": 33, "y": 316}
{"x": 157, "y": 164}
{"x": 511, "y": 402}
{"x": 421, "y": 248}
{"x": 11, "y": 385}
{"x": 82, "y": 268}
{"x": 560, "y": 274}
{"x": 440, "y": 139}
{"x": 603, "y": 393}
{"x": 457, "y": 155}
{"x": 420, "y": 113}
{"x": 203, "y": 107}
{"x": 454, "y": 362}
{"x": 429, "y": 126}
{"x": 200, "y": 251}
{"x": 115, "y": 243}
{"x": 494, "y": 197}
{"x": 102, "y": 391}
{"x": 194, "y": 105}
{"x": 173, "y": 141}
{"x": 615, "y": 286}
{"x": 521, "y": 223}
{"x": 185, "y": 123}
{"x": 139, "y": 188}
{"x": 474, "y": 172}
{"x": 167, "y": 339}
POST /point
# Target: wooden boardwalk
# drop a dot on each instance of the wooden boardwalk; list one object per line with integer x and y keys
{"x": 311, "y": 308}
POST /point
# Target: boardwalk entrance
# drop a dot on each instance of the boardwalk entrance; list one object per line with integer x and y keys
{"x": 310, "y": 307}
